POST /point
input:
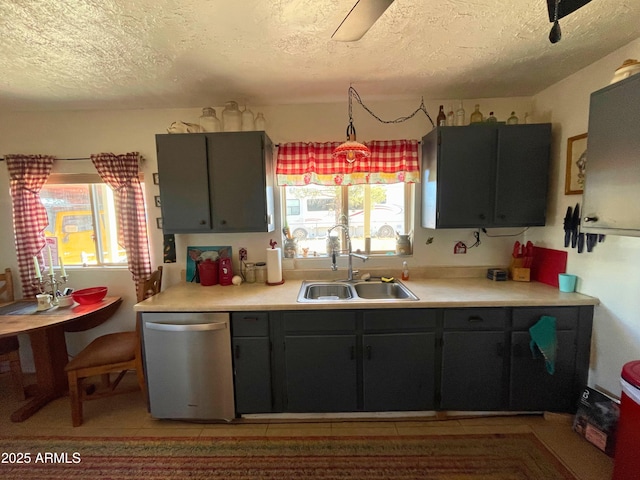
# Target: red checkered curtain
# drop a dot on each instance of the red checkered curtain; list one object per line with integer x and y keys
{"x": 120, "y": 172}
{"x": 391, "y": 161}
{"x": 27, "y": 175}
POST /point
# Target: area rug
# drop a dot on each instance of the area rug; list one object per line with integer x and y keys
{"x": 433, "y": 457}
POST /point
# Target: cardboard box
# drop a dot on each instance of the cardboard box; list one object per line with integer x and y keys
{"x": 597, "y": 419}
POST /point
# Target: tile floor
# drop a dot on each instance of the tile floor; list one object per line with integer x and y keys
{"x": 126, "y": 416}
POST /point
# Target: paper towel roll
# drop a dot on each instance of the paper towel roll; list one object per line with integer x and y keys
{"x": 274, "y": 265}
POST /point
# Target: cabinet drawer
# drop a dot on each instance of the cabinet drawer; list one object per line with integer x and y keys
{"x": 405, "y": 319}
{"x": 250, "y": 324}
{"x": 319, "y": 321}
{"x": 566, "y": 317}
{"x": 476, "y": 318}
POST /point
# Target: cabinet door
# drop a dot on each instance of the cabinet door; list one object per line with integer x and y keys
{"x": 398, "y": 371}
{"x": 184, "y": 182}
{"x": 237, "y": 181}
{"x": 532, "y": 388}
{"x": 252, "y": 369}
{"x": 611, "y": 198}
{"x": 466, "y": 169}
{"x": 522, "y": 174}
{"x": 472, "y": 371}
{"x": 320, "y": 373}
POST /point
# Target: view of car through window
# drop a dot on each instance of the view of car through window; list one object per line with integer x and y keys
{"x": 311, "y": 210}
{"x": 72, "y": 232}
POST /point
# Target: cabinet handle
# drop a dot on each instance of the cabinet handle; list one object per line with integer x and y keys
{"x": 368, "y": 352}
{"x": 203, "y": 222}
{"x": 237, "y": 351}
{"x": 475, "y": 319}
{"x": 590, "y": 219}
{"x": 482, "y": 216}
{"x": 502, "y": 216}
{"x": 223, "y": 222}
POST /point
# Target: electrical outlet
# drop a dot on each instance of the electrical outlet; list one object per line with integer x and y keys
{"x": 243, "y": 254}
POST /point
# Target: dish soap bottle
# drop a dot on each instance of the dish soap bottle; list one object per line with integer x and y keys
{"x": 405, "y": 271}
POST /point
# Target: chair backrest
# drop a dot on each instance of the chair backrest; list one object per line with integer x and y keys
{"x": 149, "y": 287}
{"x": 6, "y": 289}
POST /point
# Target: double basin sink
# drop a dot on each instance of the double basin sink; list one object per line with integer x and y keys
{"x": 343, "y": 291}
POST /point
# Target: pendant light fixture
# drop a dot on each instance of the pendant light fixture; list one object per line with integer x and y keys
{"x": 351, "y": 150}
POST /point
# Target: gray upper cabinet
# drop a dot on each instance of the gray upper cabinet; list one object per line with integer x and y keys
{"x": 611, "y": 194}
{"x": 216, "y": 182}
{"x": 485, "y": 176}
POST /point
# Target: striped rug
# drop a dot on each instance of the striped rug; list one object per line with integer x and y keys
{"x": 433, "y": 457}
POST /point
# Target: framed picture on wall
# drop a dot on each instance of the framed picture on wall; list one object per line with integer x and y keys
{"x": 576, "y": 164}
{"x": 156, "y": 179}
{"x": 157, "y": 201}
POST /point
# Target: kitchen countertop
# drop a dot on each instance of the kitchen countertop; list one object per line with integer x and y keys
{"x": 432, "y": 293}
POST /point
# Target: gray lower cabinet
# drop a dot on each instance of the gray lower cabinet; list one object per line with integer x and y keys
{"x": 321, "y": 373}
{"x": 531, "y": 387}
{"x": 320, "y": 367}
{"x": 469, "y": 359}
{"x": 398, "y": 360}
{"x": 251, "y": 346}
{"x": 473, "y": 359}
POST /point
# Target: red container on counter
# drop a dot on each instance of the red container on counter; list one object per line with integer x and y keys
{"x": 225, "y": 271}
{"x": 208, "y": 271}
{"x": 626, "y": 461}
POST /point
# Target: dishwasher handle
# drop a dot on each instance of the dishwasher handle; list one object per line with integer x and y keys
{"x": 195, "y": 327}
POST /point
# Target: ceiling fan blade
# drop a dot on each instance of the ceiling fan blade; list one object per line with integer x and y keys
{"x": 565, "y": 7}
{"x": 360, "y": 19}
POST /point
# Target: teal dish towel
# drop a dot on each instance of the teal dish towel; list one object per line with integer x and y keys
{"x": 545, "y": 341}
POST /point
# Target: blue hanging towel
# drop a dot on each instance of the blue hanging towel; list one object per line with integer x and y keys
{"x": 544, "y": 340}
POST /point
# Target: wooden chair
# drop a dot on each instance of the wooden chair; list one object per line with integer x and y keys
{"x": 9, "y": 346}
{"x": 111, "y": 353}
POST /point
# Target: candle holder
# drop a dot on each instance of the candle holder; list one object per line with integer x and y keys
{"x": 51, "y": 285}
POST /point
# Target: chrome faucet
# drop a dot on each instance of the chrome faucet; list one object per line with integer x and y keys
{"x": 334, "y": 265}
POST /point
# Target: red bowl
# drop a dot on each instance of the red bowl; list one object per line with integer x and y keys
{"x": 87, "y": 296}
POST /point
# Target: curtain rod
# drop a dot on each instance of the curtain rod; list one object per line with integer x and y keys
{"x": 78, "y": 158}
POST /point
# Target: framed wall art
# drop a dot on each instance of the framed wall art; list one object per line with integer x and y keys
{"x": 576, "y": 164}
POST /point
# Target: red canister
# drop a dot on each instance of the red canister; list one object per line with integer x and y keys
{"x": 225, "y": 271}
{"x": 208, "y": 270}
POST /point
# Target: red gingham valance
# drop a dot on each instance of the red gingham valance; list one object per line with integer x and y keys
{"x": 391, "y": 161}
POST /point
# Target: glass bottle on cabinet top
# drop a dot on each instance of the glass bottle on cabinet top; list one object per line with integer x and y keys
{"x": 512, "y": 120}
{"x": 476, "y": 116}
{"x": 451, "y": 117}
{"x": 261, "y": 123}
{"x": 231, "y": 117}
{"x": 491, "y": 118}
{"x": 442, "y": 117}
{"x": 460, "y": 116}
{"x": 248, "y": 122}
{"x": 208, "y": 121}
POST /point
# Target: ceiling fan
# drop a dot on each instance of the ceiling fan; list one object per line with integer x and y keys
{"x": 360, "y": 19}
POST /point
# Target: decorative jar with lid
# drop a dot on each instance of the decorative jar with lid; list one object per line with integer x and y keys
{"x": 231, "y": 117}
{"x": 208, "y": 120}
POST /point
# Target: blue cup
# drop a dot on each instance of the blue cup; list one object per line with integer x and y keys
{"x": 567, "y": 282}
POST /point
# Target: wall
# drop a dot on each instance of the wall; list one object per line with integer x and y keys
{"x": 610, "y": 272}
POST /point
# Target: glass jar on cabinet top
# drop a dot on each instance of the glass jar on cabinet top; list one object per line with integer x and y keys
{"x": 476, "y": 116}
{"x": 231, "y": 117}
{"x": 248, "y": 122}
{"x": 208, "y": 121}
{"x": 261, "y": 123}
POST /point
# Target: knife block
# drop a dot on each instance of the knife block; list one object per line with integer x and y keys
{"x": 517, "y": 272}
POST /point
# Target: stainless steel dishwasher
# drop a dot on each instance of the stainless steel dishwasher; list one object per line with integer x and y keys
{"x": 188, "y": 365}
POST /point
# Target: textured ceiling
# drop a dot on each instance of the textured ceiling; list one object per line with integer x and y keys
{"x": 109, "y": 54}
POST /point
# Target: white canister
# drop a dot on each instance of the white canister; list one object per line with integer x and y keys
{"x": 629, "y": 67}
